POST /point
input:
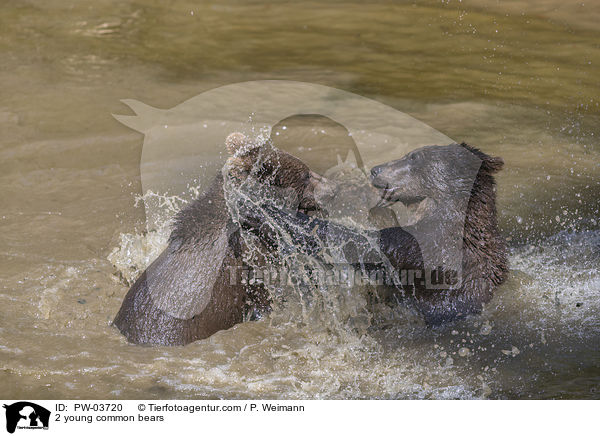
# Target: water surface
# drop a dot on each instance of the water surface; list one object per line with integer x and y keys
{"x": 517, "y": 79}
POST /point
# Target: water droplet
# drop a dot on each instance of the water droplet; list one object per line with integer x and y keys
{"x": 486, "y": 329}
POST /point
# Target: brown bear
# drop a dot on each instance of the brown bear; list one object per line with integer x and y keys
{"x": 188, "y": 293}
{"x": 450, "y": 191}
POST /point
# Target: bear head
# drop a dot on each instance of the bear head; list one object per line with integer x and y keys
{"x": 433, "y": 175}
{"x": 281, "y": 172}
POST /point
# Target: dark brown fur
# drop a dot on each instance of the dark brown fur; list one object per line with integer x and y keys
{"x": 484, "y": 263}
{"x": 437, "y": 183}
{"x": 197, "y": 231}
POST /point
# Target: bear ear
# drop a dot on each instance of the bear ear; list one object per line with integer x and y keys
{"x": 490, "y": 164}
{"x": 235, "y": 142}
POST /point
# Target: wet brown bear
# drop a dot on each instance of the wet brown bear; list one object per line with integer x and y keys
{"x": 188, "y": 293}
{"x": 450, "y": 191}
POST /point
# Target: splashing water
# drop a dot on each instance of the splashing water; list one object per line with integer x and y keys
{"x": 325, "y": 341}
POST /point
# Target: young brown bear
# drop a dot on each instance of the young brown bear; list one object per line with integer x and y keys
{"x": 188, "y": 293}
{"x": 450, "y": 191}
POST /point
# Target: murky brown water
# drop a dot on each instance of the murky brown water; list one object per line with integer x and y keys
{"x": 518, "y": 79}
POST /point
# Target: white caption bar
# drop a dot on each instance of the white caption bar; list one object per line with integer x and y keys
{"x": 153, "y": 417}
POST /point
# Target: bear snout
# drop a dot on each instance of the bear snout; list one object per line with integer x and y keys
{"x": 322, "y": 188}
{"x": 378, "y": 178}
{"x": 390, "y": 175}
